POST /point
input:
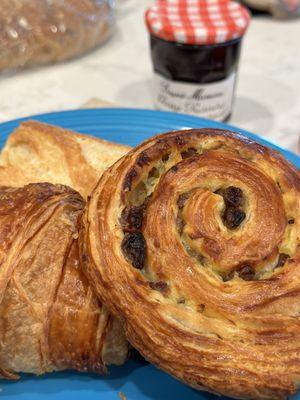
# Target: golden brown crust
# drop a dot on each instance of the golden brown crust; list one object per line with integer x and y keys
{"x": 193, "y": 238}
{"x": 37, "y": 152}
{"x": 50, "y": 318}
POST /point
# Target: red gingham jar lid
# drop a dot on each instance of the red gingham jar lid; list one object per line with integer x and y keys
{"x": 197, "y": 21}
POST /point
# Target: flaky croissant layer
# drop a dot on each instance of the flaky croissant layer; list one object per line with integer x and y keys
{"x": 50, "y": 318}
{"x": 193, "y": 238}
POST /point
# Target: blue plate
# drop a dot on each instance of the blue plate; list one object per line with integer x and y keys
{"x": 137, "y": 380}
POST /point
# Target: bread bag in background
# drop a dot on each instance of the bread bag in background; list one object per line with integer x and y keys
{"x": 37, "y": 32}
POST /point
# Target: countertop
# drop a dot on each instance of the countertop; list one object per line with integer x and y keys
{"x": 268, "y": 91}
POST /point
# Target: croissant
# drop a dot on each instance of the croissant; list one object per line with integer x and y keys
{"x": 193, "y": 239}
{"x": 38, "y": 152}
{"x": 50, "y": 318}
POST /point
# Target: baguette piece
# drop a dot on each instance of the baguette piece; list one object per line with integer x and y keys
{"x": 37, "y": 152}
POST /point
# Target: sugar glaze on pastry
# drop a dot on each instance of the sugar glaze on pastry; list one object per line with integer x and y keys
{"x": 193, "y": 239}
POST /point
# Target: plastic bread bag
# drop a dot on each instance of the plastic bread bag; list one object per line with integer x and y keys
{"x": 37, "y": 32}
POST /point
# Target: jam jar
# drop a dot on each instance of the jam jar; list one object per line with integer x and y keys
{"x": 195, "y": 49}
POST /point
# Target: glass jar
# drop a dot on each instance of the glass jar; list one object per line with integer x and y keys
{"x": 195, "y": 74}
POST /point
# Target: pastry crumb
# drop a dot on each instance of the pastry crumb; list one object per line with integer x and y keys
{"x": 122, "y": 396}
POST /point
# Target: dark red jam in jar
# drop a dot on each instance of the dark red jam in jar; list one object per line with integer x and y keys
{"x": 195, "y": 49}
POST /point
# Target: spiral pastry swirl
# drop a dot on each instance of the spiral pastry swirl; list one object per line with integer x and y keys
{"x": 193, "y": 238}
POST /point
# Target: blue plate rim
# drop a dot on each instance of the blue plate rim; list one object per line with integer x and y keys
{"x": 13, "y": 123}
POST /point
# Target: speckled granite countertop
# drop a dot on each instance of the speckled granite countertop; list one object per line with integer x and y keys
{"x": 268, "y": 92}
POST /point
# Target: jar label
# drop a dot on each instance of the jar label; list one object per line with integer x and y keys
{"x": 209, "y": 100}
